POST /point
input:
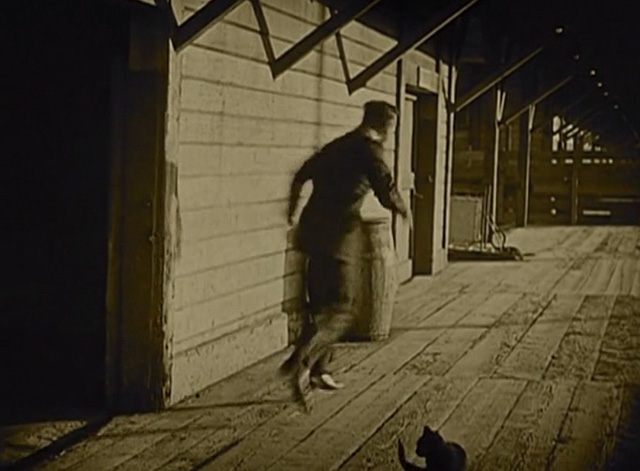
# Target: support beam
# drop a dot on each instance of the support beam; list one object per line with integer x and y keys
{"x": 591, "y": 112}
{"x": 337, "y": 21}
{"x": 202, "y": 20}
{"x": 632, "y": 129}
{"x": 539, "y": 99}
{"x": 575, "y": 181}
{"x": 500, "y": 101}
{"x": 496, "y": 78}
{"x": 524, "y": 166}
{"x": 561, "y": 112}
{"x": 580, "y": 126}
{"x": 410, "y": 41}
{"x": 171, "y": 17}
{"x": 343, "y": 56}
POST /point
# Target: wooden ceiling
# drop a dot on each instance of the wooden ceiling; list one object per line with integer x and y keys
{"x": 604, "y": 35}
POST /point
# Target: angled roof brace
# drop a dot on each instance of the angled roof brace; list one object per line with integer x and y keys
{"x": 561, "y": 112}
{"x": 409, "y": 41}
{"x": 596, "y": 115}
{"x": 539, "y": 99}
{"x": 265, "y": 35}
{"x": 201, "y": 21}
{"x": 343, "y": 56}
{"x": 631, "y": 128}
{"x": 582, "y": 125}
{"x": 581, "y": 121}
{"x": 496, "y": 78}
{"x": 332, "y": 26}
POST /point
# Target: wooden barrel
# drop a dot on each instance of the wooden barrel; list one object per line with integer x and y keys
{"x": 377, "y": 281}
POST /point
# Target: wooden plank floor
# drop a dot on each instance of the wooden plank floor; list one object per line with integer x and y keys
{"x": 530, "y": 365}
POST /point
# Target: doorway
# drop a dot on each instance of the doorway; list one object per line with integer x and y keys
{"x": 82, "y": 192}
{"x": 57, "y": 206}
{"x": 418, "y": 176}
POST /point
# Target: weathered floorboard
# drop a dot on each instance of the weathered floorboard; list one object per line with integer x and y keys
{"x": 529, "y": 359}
{"x": 496, "y": 345}
{"x": 530, "y": 366}
{"x": 588, "y": 432}
{"x": 267, "y": 443}
{"x": 577, "y": 354}
{"x": 431, "y": 405}
{"x": 620, "y": 349}
{"x": 480, "y": 415}
{"x": 529, "y": 433}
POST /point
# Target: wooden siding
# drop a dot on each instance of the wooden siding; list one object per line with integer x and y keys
{"x": 236, "y": 136}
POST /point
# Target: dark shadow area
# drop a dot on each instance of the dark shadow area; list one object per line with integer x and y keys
{"x": 626, "y": 453}
{"x": 55, "y": 195}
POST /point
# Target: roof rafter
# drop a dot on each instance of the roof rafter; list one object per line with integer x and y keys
{"x": 202, "y": 20}
{"x": 539, "y": 99}
{"x": 331, "y": 26}
{"x": 411, "y": 40}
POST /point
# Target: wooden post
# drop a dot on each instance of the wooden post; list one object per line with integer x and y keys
{"x": 524, "y": 166}
{"x": 500, "y": 100}
{"x": 575, "y": 179}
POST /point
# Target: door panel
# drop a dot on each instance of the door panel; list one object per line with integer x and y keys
{"x": 405, "y": 176}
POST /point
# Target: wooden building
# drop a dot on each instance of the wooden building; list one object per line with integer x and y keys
{"x": 194, "y": 130}
{"x": 234, "y": 139}
{"x": 154, "y": 143}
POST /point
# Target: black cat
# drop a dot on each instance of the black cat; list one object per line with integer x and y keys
{"x": 439, "y": 454}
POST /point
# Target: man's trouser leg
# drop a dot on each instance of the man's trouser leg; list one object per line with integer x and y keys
{"x": 331, "y": 291}
{"x": 308, "y": 328}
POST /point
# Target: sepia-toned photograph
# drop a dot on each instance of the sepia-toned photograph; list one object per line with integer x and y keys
{"x": 321, "y": 235}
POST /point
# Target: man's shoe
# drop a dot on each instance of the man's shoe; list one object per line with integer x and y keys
{"x": 326, "y": 381}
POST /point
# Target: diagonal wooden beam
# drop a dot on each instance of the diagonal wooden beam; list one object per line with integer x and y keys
{"x": 584, "y": 121}
{"x": 581, "y": 117}
{"x": 539, "y": 99}
{"x": 202, "y": 20}
{"x": 337, "y": 21}
{"x": 562, "y": 111}
{"x": 633, "y": 130}
{"x": 410, "y": 41}
{"x": 343, "y": 56}
{"x": 496, "y": 78}
{"x": 265, "y": 35}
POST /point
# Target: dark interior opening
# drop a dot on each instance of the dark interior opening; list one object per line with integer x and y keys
{"x": 56, "y": 206}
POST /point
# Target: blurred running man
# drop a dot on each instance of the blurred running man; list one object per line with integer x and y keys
{"x": 342, "y": 173}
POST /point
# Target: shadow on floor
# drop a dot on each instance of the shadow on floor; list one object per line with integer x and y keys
{"x": 626, "y": 454}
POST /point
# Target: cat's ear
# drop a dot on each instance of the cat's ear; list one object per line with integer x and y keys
{"x": 428, "y": 430}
